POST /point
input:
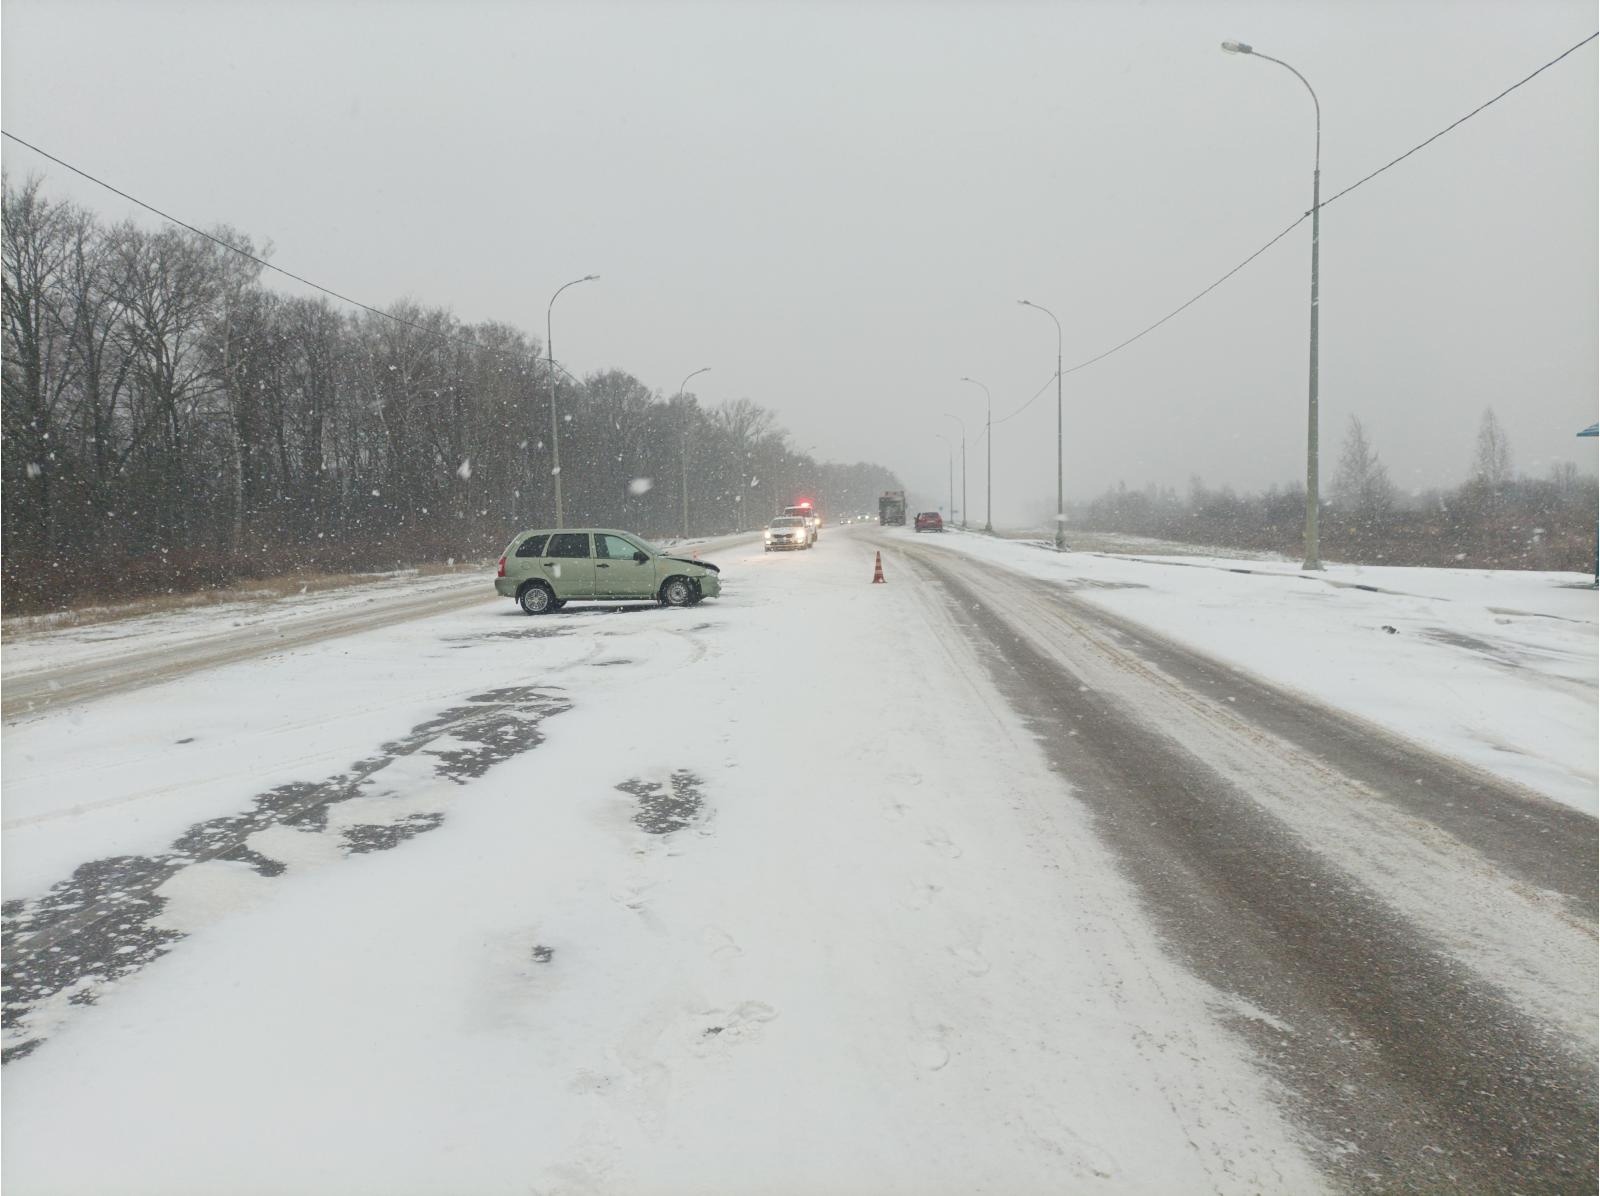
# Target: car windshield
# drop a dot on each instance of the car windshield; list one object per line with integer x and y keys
{"x": 785, "y": 521}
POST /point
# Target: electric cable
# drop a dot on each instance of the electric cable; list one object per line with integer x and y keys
{"x": 1070, "y": 370}
{"x": 1302, "y": 219}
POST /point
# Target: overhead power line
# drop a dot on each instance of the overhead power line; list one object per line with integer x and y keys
{"x": 260, "y": 261}
{"x": 378, "y": 311}
{"x": 1302, "y": 219}
{"x": 1421, "y": 144}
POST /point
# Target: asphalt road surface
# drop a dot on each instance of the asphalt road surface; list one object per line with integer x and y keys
{"x": 1416, "y": 937}
{"x": 44, "y": 689}
{"x": 1410, "y": 943}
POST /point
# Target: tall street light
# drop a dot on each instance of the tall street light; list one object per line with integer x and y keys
{"x": 963, "y": 428}
{"x": 683, "y": 445}
{"x": 952, "y": 507}
{"x": 1313, "y": 559}
{"x": 1061, "y": 507}
{"x": 555, "y": 428}
{"x": 988, "y": 471}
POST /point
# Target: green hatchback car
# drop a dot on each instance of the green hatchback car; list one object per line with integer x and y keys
{"x": 545, "y": 570}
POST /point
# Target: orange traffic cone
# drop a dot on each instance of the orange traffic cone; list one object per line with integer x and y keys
{"x": 877, "y": 571}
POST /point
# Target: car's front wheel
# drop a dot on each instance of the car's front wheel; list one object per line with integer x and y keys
{"x": 678, "y": 591}
{"x": 536, "y": 598}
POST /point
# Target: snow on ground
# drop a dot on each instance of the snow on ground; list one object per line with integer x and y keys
{"x": 31, "y": 644}
{"x": 38, "y": 642}
{"x": 785, "y": 900}
{"x": 1496, "y": 668}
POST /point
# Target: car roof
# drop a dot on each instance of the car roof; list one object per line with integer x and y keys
{"x": 598, "y": 531}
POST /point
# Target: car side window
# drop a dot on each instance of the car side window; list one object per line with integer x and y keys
{"x": 569, "y": 544}
{"x": 532, "y": 546}
{"x": 614, "y": 548}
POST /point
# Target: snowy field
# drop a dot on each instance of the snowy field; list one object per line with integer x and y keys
{"x": 747, "y": 897}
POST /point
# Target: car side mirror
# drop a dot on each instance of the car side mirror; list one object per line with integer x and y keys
{"x": 642, "y": 557}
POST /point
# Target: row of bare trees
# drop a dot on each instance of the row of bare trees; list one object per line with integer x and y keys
{"x": 177, "y": 422}
{"x": 1495, "y": 519}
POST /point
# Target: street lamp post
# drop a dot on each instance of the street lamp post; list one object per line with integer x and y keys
{"x": 988, "y": 471}
{"x": 683, "y": 446}
{"x": 963, "y": 428}
{"x": 952, "y": 449}
{"x": 1313, "y": 557}
{"x": 555, "y": 428}
{"x": 1061, "y": 507}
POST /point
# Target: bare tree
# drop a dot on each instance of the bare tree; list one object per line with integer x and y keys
{"x": 39, "y": 368}
{"x": 165, "y": 410}
{"x": 1361, "y": 485}
{"x": 1491, "y": 461}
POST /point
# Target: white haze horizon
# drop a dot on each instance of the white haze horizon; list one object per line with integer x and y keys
{"x": 837, "y": 208}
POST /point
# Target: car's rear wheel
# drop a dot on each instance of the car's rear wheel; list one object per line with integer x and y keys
{"x": 536, "y": 598}
{"x": 678, "y": 591}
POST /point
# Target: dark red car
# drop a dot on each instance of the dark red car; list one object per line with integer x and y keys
{"x": 930, "y": 521}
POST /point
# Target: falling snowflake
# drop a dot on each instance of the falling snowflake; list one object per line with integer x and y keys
{"x": 639, "y": 486}
{"x": 555, "y": 471}
{"x": 375, "y": 494}
{"x": 754, "y": 482}
{"x": 34, "y": 469}
{"x": 465, "y": 471}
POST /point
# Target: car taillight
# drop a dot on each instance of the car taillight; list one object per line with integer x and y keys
{"x": 502, "y": 572}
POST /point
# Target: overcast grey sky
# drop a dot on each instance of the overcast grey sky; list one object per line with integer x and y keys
{"x": 836, "y": 206}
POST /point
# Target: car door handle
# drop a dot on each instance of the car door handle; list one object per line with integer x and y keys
{"x": 549, "y": 564}
{"x": 599, "y": 565}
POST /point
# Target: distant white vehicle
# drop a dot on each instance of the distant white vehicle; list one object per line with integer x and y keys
{"x": 804, "y": 510}
{"x": 787, "y": 532}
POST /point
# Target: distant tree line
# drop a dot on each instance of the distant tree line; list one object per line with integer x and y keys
{"x": 1494, "y": 519}
{"x": 170, "y": 424}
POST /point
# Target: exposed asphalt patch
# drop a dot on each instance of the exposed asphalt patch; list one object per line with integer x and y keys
{"x": 383, "y": 836}
{"x": 664, "y": 808}
{"x": 535, "y": 631}
{"x": 69, "y": 945}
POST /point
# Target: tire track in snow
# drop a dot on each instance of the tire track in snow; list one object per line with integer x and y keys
{"x": 1411, "y": 1069}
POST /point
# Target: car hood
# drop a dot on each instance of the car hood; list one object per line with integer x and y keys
{"x": 698, "y": 564}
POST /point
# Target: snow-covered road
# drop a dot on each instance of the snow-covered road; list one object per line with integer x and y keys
{"x": 821, "y": 886}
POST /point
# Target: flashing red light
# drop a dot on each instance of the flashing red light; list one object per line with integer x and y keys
{"x": 805, "y": 502}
